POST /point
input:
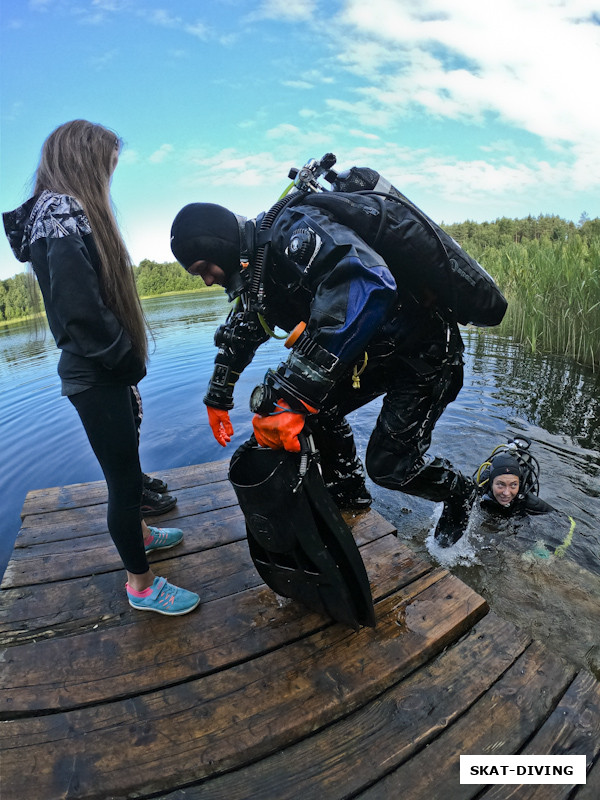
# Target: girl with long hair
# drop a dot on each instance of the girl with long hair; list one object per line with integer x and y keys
{"x": 68, "y": 232}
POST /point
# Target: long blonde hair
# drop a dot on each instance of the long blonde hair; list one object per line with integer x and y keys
{"x": 78, "y": 159}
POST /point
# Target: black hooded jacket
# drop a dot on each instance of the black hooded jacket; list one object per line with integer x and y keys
{"x": 53, "y": 233}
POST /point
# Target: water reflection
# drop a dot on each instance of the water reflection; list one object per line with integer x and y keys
{"x": 551, "y": 392}
{"x": 551, "y": 400}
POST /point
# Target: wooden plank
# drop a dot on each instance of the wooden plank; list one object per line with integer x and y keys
{"x": 190, "y": 731}
{"x": 93, "y": 555}
{"x": 502, "y": 721}
{"x": 573, "y": 728}
{"x": 88, "y": 668}
{"x": 89, "y": 520}
{"x": 35, "y": 608}
{"x": 591, "y": 790}
{"x": 60, "y": 498}
{"x": 357, "y": 750}
{"x": 34, "y": 613}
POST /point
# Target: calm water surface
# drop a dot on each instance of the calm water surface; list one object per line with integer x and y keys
{"x": 551, "y": 400}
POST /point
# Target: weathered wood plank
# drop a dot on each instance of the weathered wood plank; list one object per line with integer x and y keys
{"x": 35, "y": 608}
{"x": 502, "y": 721}
{"x": 98, "y": 602}
{"x": 252, "y": 695}
{"x": 159, "y": 651}
{"x": 60, "y": 498}
{"x": 63, "y": 560}
{"x": 354, "y": 752}
{"x": 204, "y": 727}
{"x": 573, "y": 728}
{"x": 81, "y": 521}
{"x": 591, "y": 790}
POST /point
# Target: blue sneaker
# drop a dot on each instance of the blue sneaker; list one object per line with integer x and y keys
{"x": 164, "y": 598}
{"x": 162, "y": 538}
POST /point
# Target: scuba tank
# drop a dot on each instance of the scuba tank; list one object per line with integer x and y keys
{"x": 518, "y": 448}
{"x": 421, "y": 256}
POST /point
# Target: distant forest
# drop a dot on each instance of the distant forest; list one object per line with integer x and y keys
{"x": 480, "y": 239}
{"x": 151, "y": 279}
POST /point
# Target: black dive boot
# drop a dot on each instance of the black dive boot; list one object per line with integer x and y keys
{"x": 350, "y": 495}
{"x": 455, "y": 516}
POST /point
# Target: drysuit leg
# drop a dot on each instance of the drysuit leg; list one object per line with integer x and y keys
{"x": 396, "y": 455}
{"x": 342, "y": 469}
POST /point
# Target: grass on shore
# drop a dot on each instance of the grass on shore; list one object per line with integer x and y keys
{"x": 553, "y": 290}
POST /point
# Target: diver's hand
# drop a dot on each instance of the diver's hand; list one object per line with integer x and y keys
{"x": 218, "y": 419}
{"x": 279, "y": 430}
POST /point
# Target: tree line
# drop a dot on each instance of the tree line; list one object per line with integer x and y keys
{"x": 505, "y": 231}
{"x": 154, "y": 278}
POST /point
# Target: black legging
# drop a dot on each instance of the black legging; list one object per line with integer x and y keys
{"x": 107, "y": 416}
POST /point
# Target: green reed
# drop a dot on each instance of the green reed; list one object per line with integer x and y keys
{"x": 553, "y": 293}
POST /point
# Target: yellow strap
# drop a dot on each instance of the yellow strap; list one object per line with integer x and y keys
{"x": 562, "y": 548}
{"x": 356, "y": 373}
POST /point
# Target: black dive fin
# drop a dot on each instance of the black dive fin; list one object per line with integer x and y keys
{"x": 298, "y": 540}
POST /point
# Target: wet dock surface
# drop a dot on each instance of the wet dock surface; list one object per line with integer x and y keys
{"x": 252, "y": 695}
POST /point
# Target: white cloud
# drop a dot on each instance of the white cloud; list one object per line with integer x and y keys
{"x": 161, "y": 154}
{"x": 531, "y": 62}
{"x": 164, "y": 18}
{"x": 297, "y": 84}
{"x": 232, "y": 168}
{"x": 14, "y": 112}
{"x": 129, "y": 156}
{"x": 284, "y": 131}
{"x": 363, "y": 134}
{"x": 528, "y": 65}
{"x": 287, "y": 10}
{"x": 111, "y": 5}
{"x": 198, "y": 29}
{"x": 103, "y": 59}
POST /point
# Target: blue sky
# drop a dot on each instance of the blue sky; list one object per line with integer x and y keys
{"x": 475, "y": 110}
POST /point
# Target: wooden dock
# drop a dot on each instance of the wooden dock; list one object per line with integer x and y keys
{"x": 251, "y": 695}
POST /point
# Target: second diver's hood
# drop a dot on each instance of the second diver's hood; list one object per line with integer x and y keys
{"x": 505, "y": 464}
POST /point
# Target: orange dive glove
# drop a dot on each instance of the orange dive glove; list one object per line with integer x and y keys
{"x": 279, "y": 430}
{"x": 218, "y": 419}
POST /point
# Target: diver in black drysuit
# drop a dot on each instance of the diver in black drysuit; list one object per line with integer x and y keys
{"x": 366, "y": 335}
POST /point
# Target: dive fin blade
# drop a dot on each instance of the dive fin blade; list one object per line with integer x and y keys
{"x": 299, "y": 542}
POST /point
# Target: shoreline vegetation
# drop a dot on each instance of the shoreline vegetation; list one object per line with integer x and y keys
{"x": 548, "y": 269}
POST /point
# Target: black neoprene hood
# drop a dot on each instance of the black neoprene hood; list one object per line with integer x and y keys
{"x": 206, "y": 232}
{"x": 504, "y": 464}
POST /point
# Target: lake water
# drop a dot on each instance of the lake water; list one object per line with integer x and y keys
{"x": 549, "y": 399}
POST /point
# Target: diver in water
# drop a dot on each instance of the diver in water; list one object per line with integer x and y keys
{"x": 505, "y": 489}
{"x": 507, "y": 486}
